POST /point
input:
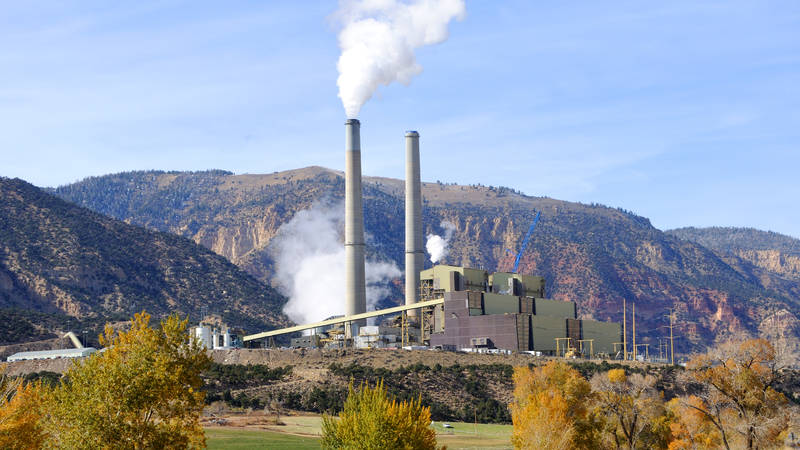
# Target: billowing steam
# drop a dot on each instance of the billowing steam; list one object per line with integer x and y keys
{"x": 378, "y": 39}
{"x": 437, "y": 246}
{"x": 309, "y": 265}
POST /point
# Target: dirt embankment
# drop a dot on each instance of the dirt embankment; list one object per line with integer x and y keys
{"x": 42, "y": 365}
{"x": 316, "y": 361}
{"x": 385, "y": 358}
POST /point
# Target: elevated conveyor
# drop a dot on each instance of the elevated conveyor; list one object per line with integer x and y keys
{"x": 346, "y": 319}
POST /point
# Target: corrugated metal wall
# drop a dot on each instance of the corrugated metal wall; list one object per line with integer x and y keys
{"x": 545, "y": 330}
{"x": 574, "y": 331}
{"x": 605, "y": 334}
{"x": 555, "y": 308}
{"x": 524, "y": 332}
{"x": 500, "y": 304}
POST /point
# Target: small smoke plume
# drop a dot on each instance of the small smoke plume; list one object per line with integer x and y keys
{"x": 309, "y": 265}
{"x": 437, "y": 246}
{"x": 378, "y": 39}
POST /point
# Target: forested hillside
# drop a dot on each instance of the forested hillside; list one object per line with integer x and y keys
{"x": 60, "y": 261}
{"x": 592, "y": 254}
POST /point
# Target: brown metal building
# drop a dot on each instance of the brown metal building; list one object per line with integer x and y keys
{"x": 504, "y": 311}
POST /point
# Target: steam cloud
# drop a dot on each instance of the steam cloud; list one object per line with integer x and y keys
{"x": 437, "y": 246}
{"x": 309, "y": 265}
{"x": 378, "y": 39}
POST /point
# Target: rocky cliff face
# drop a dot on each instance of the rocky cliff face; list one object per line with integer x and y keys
{"x": 66, "y": 261}
{"x": 775, "y": 253}
{"x": 591, "y": 254}
{"x": 775, "y": 261}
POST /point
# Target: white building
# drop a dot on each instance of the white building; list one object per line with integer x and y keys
{"x": 212, "y": 337}
{"x": 52, "y": 354}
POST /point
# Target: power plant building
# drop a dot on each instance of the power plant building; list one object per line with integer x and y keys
{"x": 459, "y": 308}
{"x": 214, "y": 337}
{"x": 507, "y": 311}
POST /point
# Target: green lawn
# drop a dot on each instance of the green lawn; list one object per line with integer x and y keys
{"x": 222, "y": 438}
{"x": 461, "y": 436}
{"x": 468, "y": 435}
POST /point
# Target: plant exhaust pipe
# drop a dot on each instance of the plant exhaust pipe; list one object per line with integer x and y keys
{"x": 355, "y": 288}
{"x": 415, "y": 256}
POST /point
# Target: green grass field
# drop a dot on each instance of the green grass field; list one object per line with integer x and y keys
{"x": 301, "y": 432}
{"x": 224, "y": 438}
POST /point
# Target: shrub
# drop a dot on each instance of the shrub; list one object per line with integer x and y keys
{"x": 371, "y": 420}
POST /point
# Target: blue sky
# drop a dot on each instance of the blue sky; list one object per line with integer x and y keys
{"x": 686, "y": 112}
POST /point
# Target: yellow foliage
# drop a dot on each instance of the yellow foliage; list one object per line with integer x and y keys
{"x": 692, "y": 429}
{"x": 20, "y": 416}
{"x": 634, "y": 414}
{"x": 370, "y": 420}
{"x": 738, "y": 378}
{"x": 143, "y": 391}
{"x": 617, "y": 376}
{"x": 550, "y": 408}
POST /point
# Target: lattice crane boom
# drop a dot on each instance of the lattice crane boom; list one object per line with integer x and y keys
{"x": 526, "y": 240}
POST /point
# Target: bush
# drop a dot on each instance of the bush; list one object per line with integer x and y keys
{"x": 371, "y": 420}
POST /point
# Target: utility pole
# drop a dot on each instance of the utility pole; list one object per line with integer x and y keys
{"x": 671, "y": 316}
{"x": 633, "y": 313}
{"x": 624, "y": 331}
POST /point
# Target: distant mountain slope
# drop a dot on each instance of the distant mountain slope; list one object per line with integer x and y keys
{"x": 62, "y": 259}
{"x": 773, "y": 252}
{"x": 594, "y": 255}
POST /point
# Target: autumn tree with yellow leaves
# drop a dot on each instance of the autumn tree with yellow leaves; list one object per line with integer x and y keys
{"x": 143, "y": 391}
{"x": 737, "y": 394}
{"x": 21, "y": 409}
{"x": 371, "y": 419}
{"x": 634, "y": 414}
{"x": 550, "y": 408}
{"x": 733, "y": 403}
{"x": 691, "y": 428}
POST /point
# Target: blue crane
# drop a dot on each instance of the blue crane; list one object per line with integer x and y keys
{"x": 526, "y": 240}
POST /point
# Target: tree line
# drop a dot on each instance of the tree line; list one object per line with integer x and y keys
{"x": 729, "y": 401}
{"x": 146, "y": 390}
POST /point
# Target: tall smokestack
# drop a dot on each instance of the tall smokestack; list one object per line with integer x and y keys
{"x": 355, "y": 297}
{"x": 414, "y": 253}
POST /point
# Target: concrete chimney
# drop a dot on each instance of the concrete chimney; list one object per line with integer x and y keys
{"x": 355, "y": 297}
{"x": 414, "y": 253}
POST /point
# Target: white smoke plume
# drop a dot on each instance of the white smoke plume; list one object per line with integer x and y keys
{"x": 438, "y": 246}
{"x": 309, "y": 265}
{"x": 378, "y": 39}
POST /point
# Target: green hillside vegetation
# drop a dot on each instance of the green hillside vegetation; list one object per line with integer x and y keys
{"x": 591, "y": 254}
{"x": 454, "y": 393}
{"x": 58, "y": 260}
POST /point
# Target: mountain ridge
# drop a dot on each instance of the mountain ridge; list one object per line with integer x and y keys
{"x": 64, "y": 260}
{"x": 773, "y": 252}
{"x": 592, "y": 254}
